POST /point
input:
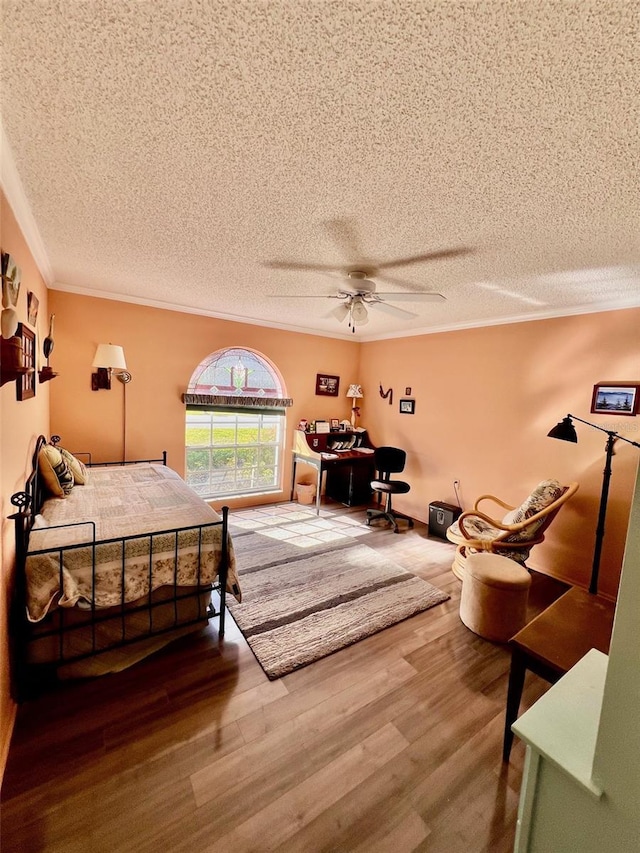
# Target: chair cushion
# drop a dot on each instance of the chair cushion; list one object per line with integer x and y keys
{"x": 544, "y": 494}
{"x": 394, "y": 487}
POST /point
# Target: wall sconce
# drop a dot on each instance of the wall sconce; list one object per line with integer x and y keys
{"x": 109, "y": 359}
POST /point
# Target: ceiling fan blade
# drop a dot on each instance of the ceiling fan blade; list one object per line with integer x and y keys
{"x": 341, "y": 295}
{"x": 390, "y": 309}
{"x": 384, "y": 279}
{"x": 413, "y": 297}
{"x": 294, "y": 265}
{"x": 428, "y": 256}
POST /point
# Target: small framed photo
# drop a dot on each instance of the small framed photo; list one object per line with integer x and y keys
{"x": 327, "y": 386}
{"x": 335, "y": 424}
{"x": 407, "y": 407}
{"x": 615, "y": 398}
{"x": 407, "y": 391}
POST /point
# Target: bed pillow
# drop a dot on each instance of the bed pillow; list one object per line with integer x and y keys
{"x": 55, "y": 471}
{"x": 78, "y": 468}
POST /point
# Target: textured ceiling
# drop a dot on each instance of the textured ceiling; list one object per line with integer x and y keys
{"x": 171, "y": 150}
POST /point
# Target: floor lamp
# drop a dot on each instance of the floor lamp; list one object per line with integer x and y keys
{"x": 110, "y": 361}
{"x": 566, "y": 431}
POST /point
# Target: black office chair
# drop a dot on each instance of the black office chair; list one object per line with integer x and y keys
{"x": 388, "y": 461}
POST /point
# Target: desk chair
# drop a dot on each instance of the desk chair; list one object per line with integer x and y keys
{"x": 388, "y": 461}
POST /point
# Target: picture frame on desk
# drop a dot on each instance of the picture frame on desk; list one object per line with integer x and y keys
{"x": 335, "y": 425}
{"x": 327, "y": 386}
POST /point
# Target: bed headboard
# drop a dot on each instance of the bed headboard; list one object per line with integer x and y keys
{"x": 32, "y": 498}
{"x": 28, "y": 504}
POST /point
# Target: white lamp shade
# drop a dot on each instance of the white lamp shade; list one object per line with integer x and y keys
{"x": 359, "y": 312}
{"x": 109, "y": 355}
{"x": 355, "y": 391}
{"x": 341, "y": 312}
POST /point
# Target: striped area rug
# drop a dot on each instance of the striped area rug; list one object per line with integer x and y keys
{"x": 306, "y": 606}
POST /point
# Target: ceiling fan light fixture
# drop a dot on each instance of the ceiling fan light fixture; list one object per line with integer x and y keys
{"x": 359, "y": 313}
{"x": 341, "y": 312}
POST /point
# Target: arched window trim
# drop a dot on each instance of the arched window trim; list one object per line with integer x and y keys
{"x": 238, "y": 400}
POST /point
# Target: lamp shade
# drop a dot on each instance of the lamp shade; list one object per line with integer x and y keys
{"x": 355, "y": 391}
{"x": 564, "y": 430}
{"x": 359, "y": 313}
{"x": 341, "y": 312}
{"x": 109, "y": 355}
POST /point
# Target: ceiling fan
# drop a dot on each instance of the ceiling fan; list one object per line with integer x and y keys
{"x": 359, "y": 292}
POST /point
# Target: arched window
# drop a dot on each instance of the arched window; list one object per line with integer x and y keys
{"x": 235, "y": 425}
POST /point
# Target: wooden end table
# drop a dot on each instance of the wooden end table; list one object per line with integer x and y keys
{"x": 555, "y": 641}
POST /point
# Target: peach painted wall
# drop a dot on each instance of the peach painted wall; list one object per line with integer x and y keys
{"x": 162, "y": 349}
{"x": 20, "y": 424}
{"x": 485, "y": 400}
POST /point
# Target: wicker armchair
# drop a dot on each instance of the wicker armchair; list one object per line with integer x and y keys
{"x": 515, "y": 534}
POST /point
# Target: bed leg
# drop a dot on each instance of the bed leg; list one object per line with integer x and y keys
{"x": 223, "y": 597}
{"x": 224, "y": 565}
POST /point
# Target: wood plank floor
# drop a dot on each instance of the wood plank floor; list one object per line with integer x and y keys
{"x": 390, "y": 745}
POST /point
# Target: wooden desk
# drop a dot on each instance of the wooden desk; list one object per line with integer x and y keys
{"x": 555, "y": 641}
{"x": 349, "y": 473}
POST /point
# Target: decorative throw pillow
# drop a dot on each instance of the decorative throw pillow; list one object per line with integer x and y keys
{"x": 78, "y": 468}
{"x": 55, "y": 471}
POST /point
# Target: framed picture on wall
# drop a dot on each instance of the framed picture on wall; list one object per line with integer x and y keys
{"x": 615, "y": 398}
{"x": 26, "y": 383}
{"x": 327, "y": 386}
{"x": 32, "y": 308}
{"x": 407, "y": 407}
{"x": 10, "y": 281}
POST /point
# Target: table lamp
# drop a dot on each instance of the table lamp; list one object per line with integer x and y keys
{"x": 355, "y": 392}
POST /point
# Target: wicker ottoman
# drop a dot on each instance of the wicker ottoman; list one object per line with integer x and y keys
{"x": 494, "y": 596}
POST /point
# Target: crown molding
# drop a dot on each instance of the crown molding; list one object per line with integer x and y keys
{"x": 17, "y": 199}
{"x": 200, "y": 312}
{"x": 597, "y": 308}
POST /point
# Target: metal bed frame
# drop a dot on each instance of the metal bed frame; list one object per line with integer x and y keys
{"x": 29, "y": 503}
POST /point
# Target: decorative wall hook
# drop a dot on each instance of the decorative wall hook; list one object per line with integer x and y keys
{"x": 385, "y": 394}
